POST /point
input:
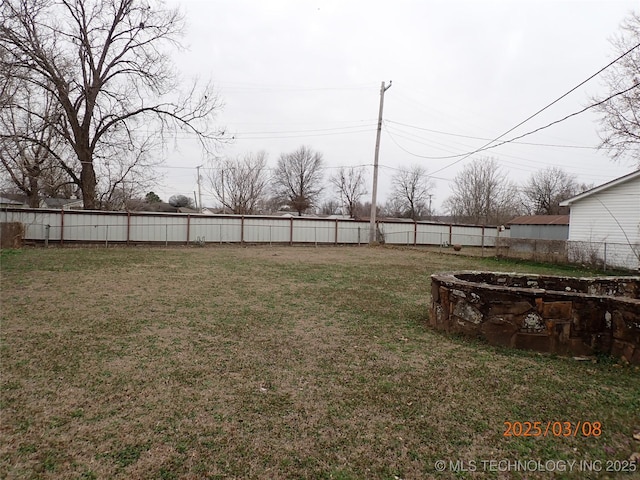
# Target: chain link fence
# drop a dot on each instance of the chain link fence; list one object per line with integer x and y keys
{"x": 601, "y": 255}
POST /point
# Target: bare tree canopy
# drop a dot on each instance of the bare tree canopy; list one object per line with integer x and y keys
{"x": 241, "y": 184}
{"x": 349, "y": 184}
{"x": 620, "y": 116}
{"x": 410, "y": 190}
{"x": 26, "y": 144}
{"x": 330, "y": 207}
{"x": 482, "y": 194}
{"x": 297, "y": 180}
{"x": 545, "y": 189}
{"x": 105, "y": 63}
{"x": 181, "y": 201}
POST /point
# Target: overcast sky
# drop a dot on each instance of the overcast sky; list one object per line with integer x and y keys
{"x": 303, "y": 72}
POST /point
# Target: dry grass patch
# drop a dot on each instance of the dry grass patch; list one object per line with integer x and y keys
{"x": 270, "y": 363}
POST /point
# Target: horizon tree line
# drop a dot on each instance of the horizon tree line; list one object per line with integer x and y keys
{"x": 481, "y": 193}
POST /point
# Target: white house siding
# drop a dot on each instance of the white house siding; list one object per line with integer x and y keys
{"x": 611, "y": 216}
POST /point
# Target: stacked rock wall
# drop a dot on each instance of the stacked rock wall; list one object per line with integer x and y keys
{"x": 564, "y": 315}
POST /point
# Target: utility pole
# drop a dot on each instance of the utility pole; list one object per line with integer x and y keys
{"x": 199, "y": 191}
{"x": 374, "y": 192}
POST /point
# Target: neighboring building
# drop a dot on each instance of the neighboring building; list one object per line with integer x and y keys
{"x": 17, "y": 200}
{"x": 540, "y": 227}
{"x": 62, "y": 203}
{"x": 605, "y": 223}
{"x": 10, "y": 202}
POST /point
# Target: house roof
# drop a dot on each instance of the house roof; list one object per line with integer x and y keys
{"x": 9, "y": 201}
{"x": 540, "y": 220}
{"x": 61, "y": 202}
{"x": 600, "y": 188}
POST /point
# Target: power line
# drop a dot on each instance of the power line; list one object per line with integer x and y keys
{"x": 484, "y": 138}
{"x": 241, "y": 87}
{"x": 536, "y": 163}
{"x": 488, "y": 145}
{"x": 370, "y": 124}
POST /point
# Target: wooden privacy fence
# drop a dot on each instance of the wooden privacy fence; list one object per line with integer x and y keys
{"x": 83, "y": 226}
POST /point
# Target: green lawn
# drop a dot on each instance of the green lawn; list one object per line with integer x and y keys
{"x": 283, "y": 362}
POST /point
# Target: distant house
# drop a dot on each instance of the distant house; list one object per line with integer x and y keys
{"x": 540, "y": 227}
{"x": 17, "y": 200}
{"x": 10, "y": 202}
{"x": 62, "y": 203}
{"x": 605, "y": 222}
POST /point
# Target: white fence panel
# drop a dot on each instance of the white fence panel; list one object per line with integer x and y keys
{"x": 163, "y": 228}
{"x": 351, "y": 232}
{"x": 397, "y": 233}
{"x": 158, "y": 228}
{"x": 266, "y": 230}
{"x": 432, "y": 234}
{"x": 35, "y": 223}
{"x": 313, "y": 231}
{"x": 95, "y": 227}
{"x": 215, "y": 229}
{"x": 470, "y": 236}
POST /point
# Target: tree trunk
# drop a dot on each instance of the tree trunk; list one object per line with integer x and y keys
{"x": 88, "y": 183}
{"x": 34, "y": 201}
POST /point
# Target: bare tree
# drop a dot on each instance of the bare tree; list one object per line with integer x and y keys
{"x": 620, "y": 116}
{"x": 241, "y": 184}
{"x": 106, "y": 64}
{"x": 349, "y": 183}
{"x": 330, "y": 207}
{"x": 181, "y": 201}
{"x": 29, "y": 165}
{"x": 545, "y": 189}
{"x": 482, "y": 194}
{"x": 393, "y": 208}
{"x": 26, "y": 141}
{"x": 297, "y": 180}
{"x": 410, "y": 191}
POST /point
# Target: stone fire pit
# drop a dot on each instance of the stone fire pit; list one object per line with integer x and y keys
{"x": 564, "y": 315}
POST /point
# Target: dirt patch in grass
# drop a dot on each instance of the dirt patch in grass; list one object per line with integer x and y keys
{"x": 272, "y": 363}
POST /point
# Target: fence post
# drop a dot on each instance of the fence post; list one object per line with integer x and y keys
{"x": 358, "y": 235}
{"x": 290, "y": 231}
{"x": 605, "y": 256}
{"x": 415, "y": 233}
{"x": 166, "y": 235}
{"x": 242, "y": 230}
{"x": 128, "y": 227}
{"x": 47, "y": 229}
{"x": 106, "y": 236}
{"x": 450, "y": 234}
{"x": 220, "y": 236}
{"x": 188, "y": 227}
{"x": 336, "y": 236}
{"x": 269, "y": 235}
{"x": 315, "y": 236}
{"x": 61, "y": 227}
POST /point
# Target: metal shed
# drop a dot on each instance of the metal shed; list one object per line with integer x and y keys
{"x": 540, "y": 227}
